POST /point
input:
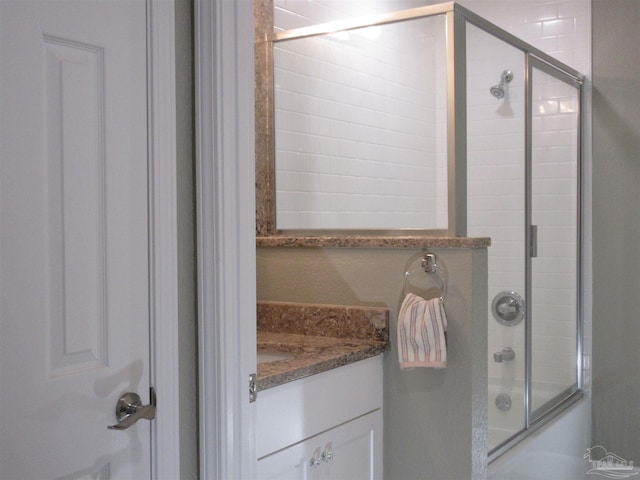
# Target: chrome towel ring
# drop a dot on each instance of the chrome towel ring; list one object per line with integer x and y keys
{"x": 430, "y": 266}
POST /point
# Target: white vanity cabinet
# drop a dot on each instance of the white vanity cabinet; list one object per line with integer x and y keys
{"x": 326, "y": 426}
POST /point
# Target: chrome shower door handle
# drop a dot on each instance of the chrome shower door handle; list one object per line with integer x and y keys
{"x": 130, "y": 409}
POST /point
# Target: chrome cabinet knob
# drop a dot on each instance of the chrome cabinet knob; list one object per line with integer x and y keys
{"x": 130, "y": 409}
{"x": 326, "y": 456}
{"x": 314, "y": 462}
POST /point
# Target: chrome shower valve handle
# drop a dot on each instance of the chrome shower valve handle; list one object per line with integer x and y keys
{"x": 508, "y": 308}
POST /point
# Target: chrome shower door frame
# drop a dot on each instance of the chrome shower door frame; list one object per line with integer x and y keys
{"x": 535, "y": 418}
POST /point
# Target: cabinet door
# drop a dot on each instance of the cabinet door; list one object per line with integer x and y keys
{"x": 351, "y": 451}
{"x": 354, "y": 448}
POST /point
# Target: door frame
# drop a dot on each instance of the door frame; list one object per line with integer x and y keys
{"x": 226, "y": 250}
{"x": 163, "y": 263}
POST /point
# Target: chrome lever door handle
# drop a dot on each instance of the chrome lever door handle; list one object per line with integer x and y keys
{"x": 130, "y": 409}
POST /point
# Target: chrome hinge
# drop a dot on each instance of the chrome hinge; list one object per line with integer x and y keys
{"x": 253, "y": 388}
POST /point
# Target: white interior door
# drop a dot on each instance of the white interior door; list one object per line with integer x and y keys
{"x": 74, "y": 275}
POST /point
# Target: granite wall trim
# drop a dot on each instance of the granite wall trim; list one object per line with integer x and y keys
{"x": 265, "y": 175}
{"x": 363, "y": 241}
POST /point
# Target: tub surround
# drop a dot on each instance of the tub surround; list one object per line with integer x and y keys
{"x": 371, "y": 241}
{"x": 321, "y": 337}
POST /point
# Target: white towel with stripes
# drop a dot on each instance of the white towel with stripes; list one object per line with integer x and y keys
{"x": 421, "y": 328}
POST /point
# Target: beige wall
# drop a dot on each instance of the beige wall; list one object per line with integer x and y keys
{"x": 435, "y": 420}
{"x": 616, "y": 226}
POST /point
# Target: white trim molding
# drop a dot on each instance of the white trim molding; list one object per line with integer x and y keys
{"x": 225, "y": 176}
{"x": 165, "y": 438}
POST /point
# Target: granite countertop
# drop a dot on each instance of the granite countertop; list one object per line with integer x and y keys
{"x": 312, "y": 354}
{"x": 320, "y": 337}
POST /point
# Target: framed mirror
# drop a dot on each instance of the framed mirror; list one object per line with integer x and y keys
{"x": 353, "y": 131}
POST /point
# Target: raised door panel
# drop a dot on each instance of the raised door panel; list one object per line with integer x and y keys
{"x": 75, "y": 151}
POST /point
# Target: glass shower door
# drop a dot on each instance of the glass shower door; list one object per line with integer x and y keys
{"x": 496, "y": 209}
{"x": 554, "y": 253}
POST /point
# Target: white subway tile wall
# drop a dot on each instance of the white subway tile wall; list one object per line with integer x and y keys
{"x": 359, "y": 143}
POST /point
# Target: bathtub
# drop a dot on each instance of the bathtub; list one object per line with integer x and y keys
{"x": 503, "y": 424}
{"x": 554, "y": 451}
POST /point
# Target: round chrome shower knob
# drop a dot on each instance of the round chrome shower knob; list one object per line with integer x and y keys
{"x": 508, "y": 308}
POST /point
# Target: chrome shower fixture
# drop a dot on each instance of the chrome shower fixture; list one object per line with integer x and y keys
{"x": 505, "y": 355}
{"x": 498, "y": 90}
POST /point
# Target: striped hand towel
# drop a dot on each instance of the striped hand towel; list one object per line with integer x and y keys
{"x": 421, "y": 328}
